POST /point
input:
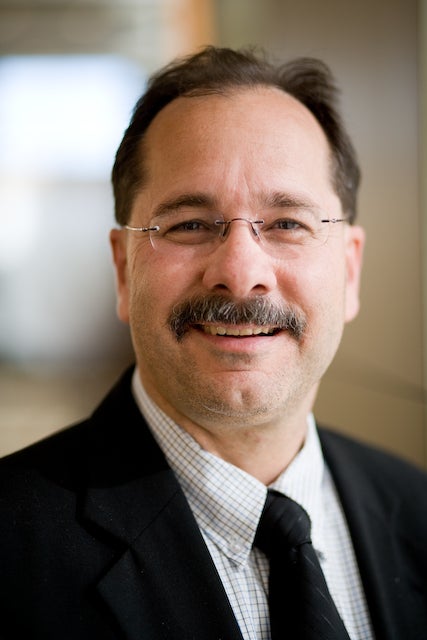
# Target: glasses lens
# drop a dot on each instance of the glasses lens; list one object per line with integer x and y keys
{"x": 285, "y": 234}
{"x": 184, "y": 228}
{"x": 291, "y": 232}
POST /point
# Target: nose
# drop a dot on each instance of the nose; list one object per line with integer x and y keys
{"x": 239, "y": 265}
{"x": 226, "y": 224}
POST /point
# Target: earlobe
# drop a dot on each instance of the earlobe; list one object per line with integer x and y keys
{"x": 355, "y": 243}
{"x": 119, "y": 250}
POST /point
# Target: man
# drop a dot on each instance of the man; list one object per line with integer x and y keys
{"x": 238, "y": 264}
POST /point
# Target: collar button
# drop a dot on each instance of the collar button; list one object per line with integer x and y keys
{"x": 234, "y": 546}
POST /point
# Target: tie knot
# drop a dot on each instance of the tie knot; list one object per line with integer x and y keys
{"x": 283, "y": 523}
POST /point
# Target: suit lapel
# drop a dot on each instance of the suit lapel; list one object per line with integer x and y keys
{"x": 163, "y": 583}
{"x": 372, "y": 512}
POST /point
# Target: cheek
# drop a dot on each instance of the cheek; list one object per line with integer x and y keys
{"x": 303, "y": 282}
{"x": 319, "y": 288}
{"x": 157, "y": 283}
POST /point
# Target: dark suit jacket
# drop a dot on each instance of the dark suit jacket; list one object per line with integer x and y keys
{"x": 97, "y": 540}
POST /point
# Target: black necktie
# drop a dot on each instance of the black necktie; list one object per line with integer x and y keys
{"x": 301, "y": 607}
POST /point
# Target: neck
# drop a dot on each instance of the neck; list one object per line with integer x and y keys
{"x": 261, "y": 446}
{"x": 263, "y": 451}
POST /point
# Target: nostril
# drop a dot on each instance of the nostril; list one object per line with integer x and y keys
{"x": 240, "y": 266}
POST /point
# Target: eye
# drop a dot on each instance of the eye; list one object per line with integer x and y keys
{"x": 188, "y": 226}
{"x": 287, "y": 224}
{"x": 294, "y": 225}
{"x": 189, "y": 230}
{"x": 294, "y": 229}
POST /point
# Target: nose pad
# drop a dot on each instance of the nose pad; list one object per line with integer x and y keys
{"x": 226, "y": 225}
{"x": 239, "y": 265}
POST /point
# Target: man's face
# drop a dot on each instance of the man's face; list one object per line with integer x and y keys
{"x": 235, "y": 153}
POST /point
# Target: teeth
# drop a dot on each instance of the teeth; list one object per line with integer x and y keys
{"x": 235, "y": 331}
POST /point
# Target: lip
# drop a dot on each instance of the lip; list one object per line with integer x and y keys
{"x": 235, "y": 331}
{"x": 247, "y": 341}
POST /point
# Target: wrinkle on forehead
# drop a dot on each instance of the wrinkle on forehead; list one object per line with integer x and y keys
{"x": 237, "y": 137}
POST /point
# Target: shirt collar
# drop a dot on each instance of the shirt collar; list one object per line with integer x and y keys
{"x": 303, "y": 481}
{"x": 226, "y": 501}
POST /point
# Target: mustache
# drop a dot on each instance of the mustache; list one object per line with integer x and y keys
{"x": 221, "y": 310}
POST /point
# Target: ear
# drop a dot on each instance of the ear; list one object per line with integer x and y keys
{"x": 355, "y": 243}
{"x": 118, "y": 241}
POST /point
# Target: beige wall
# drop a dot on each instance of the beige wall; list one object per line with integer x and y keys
{"x": 422, "y": 20}
{"x": 374, "y": 389}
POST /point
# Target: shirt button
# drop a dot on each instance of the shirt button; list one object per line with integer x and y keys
{"x": 234, "y": 546}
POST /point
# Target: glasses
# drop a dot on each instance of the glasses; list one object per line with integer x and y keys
{"x": 201, "y": 231}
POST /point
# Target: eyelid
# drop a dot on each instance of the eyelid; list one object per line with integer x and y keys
{"x": 185, "y": 213}
{"x": 191, "y": 220}
{"x": 182, "y": 215}
{"x": 184, "y": 202}
{"x": 294, "y": 214}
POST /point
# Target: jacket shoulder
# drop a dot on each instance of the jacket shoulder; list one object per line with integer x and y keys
{"x": 376, "y": 477}
{"x": 373, "y": 460}
{"x": 64, "y": 455}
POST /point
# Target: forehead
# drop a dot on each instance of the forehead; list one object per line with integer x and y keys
{"x": 236, "y": 142}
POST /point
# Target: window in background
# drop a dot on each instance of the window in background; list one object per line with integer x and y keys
{"x": 61, "y": 120}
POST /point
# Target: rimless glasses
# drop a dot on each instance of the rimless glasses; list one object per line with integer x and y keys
{"x": 281, "y": 236}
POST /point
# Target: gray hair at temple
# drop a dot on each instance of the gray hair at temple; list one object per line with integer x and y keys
{"x": 218, "y": 71}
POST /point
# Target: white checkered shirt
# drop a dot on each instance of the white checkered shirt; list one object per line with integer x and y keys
{"x": 227, "y": 504}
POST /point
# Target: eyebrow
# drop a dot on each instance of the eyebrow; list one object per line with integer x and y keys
{"x": 275, "y": 200}
{"x": 281, "y": 200}
{"x": 186, "y": 200}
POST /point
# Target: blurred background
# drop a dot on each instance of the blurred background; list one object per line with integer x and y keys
{"x": 70, "y": 72}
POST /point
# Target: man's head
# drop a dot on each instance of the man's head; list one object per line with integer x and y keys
{"x": 238, "y": 294}
{"x": 219, "y": 71}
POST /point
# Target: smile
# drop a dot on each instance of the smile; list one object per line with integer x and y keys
{"x": 238, "y": 332}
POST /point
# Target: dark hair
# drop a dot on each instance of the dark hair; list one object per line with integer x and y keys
{"x": 218, "y": 70}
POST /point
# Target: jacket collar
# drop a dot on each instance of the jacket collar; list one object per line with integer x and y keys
{"x": 135, "y": 504}
{"x": 373, "y": 510}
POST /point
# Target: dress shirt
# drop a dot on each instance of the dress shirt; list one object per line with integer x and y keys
{"x": 227, "y": 504}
